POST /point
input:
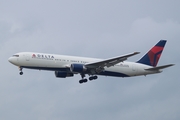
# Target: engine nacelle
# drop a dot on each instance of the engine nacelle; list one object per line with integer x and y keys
{"x": 77, "y": 68}
{"x": 61, "y": 74}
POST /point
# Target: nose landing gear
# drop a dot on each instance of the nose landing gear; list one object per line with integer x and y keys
{"x": 21, "y": 73}
{"x": 20, "y": 69}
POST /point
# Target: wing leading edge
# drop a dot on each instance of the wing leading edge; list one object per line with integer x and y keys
{"x": 110, "y": 62}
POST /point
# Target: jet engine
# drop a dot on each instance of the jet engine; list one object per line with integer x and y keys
{"x": 77, "y": 68}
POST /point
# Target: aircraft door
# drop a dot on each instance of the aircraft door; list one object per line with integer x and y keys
{"x": 134, "y": 69}
{"x": 27, "y": 57}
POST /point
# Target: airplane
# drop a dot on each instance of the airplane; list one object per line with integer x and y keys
{"x": 67, "y": 66}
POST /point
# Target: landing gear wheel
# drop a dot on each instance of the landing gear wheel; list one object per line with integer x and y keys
{"x": 90, "y": 78}
{"x": 83, "y": 81}
{"x": 20, "y": 69}
{"x": 93, "y": 78}
{"x": 21, "y": 73}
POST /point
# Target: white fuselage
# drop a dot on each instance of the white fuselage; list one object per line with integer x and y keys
{"x": 53, "y": 62}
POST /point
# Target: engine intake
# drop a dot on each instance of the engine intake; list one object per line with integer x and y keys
{"x": 61, "y": 74}
{"x": 77, "y": 68}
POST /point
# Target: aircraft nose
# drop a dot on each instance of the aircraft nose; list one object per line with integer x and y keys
{"x": 10, "y": 60}
{"x": 13, "y": 60}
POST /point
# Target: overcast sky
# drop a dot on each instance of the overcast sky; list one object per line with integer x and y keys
{"x": 100, "y": 29}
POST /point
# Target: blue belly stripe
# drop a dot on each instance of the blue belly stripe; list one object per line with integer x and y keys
{"x": 47, "y": 68}
{"x": 115, "y": 74}
{"x": 105, "y": 73}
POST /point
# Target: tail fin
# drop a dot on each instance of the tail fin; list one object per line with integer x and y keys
{"x": 152, "y": 57}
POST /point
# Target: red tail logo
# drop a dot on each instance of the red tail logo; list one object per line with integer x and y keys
{"x": 153, "y": 56}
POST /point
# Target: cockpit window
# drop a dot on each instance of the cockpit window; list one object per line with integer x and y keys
{"x": 15, "y": 55}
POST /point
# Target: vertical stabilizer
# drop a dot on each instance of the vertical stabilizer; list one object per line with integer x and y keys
{"x": 152, "y": 57}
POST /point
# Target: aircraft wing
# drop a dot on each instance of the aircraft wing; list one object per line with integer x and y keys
{"x": 109, "y": 62}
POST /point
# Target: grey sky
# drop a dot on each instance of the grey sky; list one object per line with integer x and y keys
{"x": 99, "y": 29}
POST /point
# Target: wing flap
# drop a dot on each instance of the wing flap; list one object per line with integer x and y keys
{"x": 159, "y": 67}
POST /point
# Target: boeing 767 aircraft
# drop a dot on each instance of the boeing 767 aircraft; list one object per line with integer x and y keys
{"x": 66, "y": 66}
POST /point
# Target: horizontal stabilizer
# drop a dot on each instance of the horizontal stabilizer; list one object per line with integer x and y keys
{"x": 159, "y": 67}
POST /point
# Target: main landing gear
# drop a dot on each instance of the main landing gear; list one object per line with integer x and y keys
{"x": 85, "y": 80}
{"x": 93, "y": 78}
{"x": 20, "y": 69}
